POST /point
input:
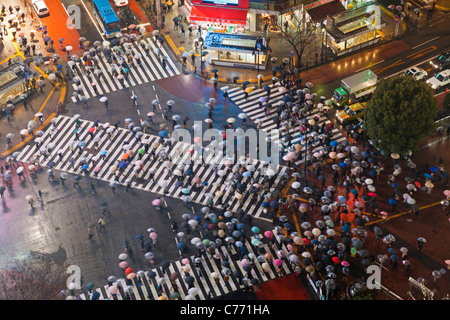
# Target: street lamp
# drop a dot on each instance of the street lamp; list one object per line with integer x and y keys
{"x": 201, "y": 42}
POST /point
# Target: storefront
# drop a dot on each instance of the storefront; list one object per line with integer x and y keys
{"x": 228, "y": 16}
{"x": 13, "y": 83}
{"x": 232, "y": 50}
{"x": 350, "y": 32}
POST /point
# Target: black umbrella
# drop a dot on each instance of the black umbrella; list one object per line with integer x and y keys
{"x": 254, "y": 281}
{"x": 247, "y": 268}
{"x": 307, "y": 261}
{"x": 189, "y": 279}
{"x": 151, "y": 274}
{"x": 165, "y": 264}
{"x": 238, "y": 274}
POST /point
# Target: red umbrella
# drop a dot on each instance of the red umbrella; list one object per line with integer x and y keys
{"x": 128, "y": 270}
{"x": 22, "y": 34}
{"x": 306, "y": 241}
{"x": 372, "y": 194}
{"x": 91, "y": 130}
{"x": 418, "y": 185}
{"x": 336, "y": 260}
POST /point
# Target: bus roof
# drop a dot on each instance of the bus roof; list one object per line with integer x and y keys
{"x": 105, "y": 9}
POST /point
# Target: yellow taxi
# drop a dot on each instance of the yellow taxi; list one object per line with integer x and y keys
{"x": 351, "y": 112}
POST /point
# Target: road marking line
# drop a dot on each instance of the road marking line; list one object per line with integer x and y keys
{"x": 424, "y": 43}
{"x": 370, "y": 66}
{"x": 94, "y": 21}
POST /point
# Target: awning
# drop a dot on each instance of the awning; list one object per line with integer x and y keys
{"x": 219, "y": 15}
{"x": 320, "y": 13}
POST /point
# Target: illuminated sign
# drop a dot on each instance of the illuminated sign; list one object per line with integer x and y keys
{"x": 223, "y": 2}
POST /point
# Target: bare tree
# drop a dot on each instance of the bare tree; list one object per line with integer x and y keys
{"x": 33, "y": 279}
{"x": 298, "y": 33}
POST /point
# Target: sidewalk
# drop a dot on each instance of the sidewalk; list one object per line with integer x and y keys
{"x": 181, "y": 43}
{"x": 44, "y": 101}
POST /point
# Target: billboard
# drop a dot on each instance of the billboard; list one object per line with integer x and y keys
{"x": 222, "y": 2}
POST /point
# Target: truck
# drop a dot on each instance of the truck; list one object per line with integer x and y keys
{"x": 358, "y": 86}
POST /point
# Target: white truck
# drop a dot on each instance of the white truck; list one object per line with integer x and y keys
{"x": 358, "y": 86}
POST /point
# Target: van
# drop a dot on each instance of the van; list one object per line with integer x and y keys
{"x": 40, "y": 7}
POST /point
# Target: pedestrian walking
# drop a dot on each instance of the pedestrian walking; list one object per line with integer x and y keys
{"x": 90, "y": 232}
{"x": 420, "y": 242}
{"x": 101, "y": 224}
{"x": 93, "y": 188}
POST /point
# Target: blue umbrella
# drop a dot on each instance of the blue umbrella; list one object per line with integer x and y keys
{"x": 163, "y": 133}
{"x": 151, "y": 274}
{"x": 85, "y": 166}
{"x": 392, "y": 201}
{"x": 354, "y": 191}
{"x": 427, "y": 175}
{"x": 346, "y": 228}
{"x": 394, "y": 185}
{"x": 178, "y": 184}
{"x": 315, "y": 242}
{"x": 391, "y": 250}
{"x": 433, "y": 169}
{"x": 236, "y": 234}
{"x": 95, "y": 296}
{"x": 343, "y": 164}
{"x": 240, "y": 226}
{"x": 274, "y": 204}
{"x": 123, "y": 164}
{"x": 333, "y": 143}
{"x": 342, "y": 199}
{"x": 246, "y": 82}
{"x": 188, "y": 172}
{"x": 266, "y": 88}
{"x": 364, "y": 154}
{"x": 81, "y": 143}
{"x": 139, "y": 236}
{"x": 104, "y": 152}
{"x": 59, "y": 67}
{"x": 265, "y": 204}
{"x": 181, "y": 246}
{"x": 198, "y": 218}
{"x": 394, "y": 257}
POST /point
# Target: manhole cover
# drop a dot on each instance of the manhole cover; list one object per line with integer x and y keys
{"x": 181, "y": 42}
{"x": 167, "y": 32}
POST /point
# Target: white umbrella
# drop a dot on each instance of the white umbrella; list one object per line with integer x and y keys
{"x": 242, "y": 115}
{"x": 39, "y": 114}
{"x": 103, "y": 99}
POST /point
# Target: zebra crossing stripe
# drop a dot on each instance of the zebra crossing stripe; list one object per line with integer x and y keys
{"x": 145, "y": 288}
{"x": 61, "y": 135}
{"x": 149, "y": 69}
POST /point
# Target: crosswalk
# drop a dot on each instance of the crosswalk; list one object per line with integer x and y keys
{"x": 149, "y": 69}
{"x": 209, "y": 280}
{"x": 103, "y": 151}
{"x": 252, "y": 109}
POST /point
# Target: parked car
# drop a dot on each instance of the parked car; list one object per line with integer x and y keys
{"x": 121, "y": 3}
{"x": 440, "y": 80}
{"x": 351, "y": 112}
{"x": 417, "y": 73}
{"x": 441, "y": 62}
{"x": 40, "y": 7}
